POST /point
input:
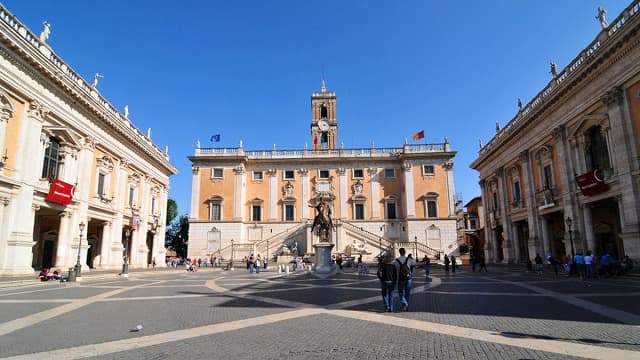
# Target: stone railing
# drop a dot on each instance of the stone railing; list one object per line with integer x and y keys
{"x": 585, "y": 56}
{"x": 333, "y": 153}
{"x": 546, "y": 197}
{"x": 73, "y": 80}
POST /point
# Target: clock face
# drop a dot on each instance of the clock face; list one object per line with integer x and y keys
{"x": 323, "y": 125}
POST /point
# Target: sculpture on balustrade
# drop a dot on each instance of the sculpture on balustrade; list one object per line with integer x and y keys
{"x": 520, "y": 104}
{"x": 554, "y": 70}
{"x": 602, "y": 17}
{"x": 126, "y": 111}
{"x": 46, "y": 30}
{"x": 323, "y": 221}
{"x": 96, "y": 77}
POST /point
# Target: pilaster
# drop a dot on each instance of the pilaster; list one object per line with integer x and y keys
{"x": 195, "y": 193}
{"x": 343, "y": 196}
{"x": 409, "y": 195}
{"x": 238, "y": 192}
{"x": 273, "y": 194}
{"x": 305, "y": 193}
{"x": 374, "y": 181}
{"x": 63, "y": 257}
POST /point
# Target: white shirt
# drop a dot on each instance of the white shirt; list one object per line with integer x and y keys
{"x": 411, "y": 263}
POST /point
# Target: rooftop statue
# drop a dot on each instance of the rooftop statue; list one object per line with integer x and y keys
{"x": 46, "y": 30}
{"x": 554, "y": 70}
{"x": 96, "y": 77}
{"x": 602, "y": 17}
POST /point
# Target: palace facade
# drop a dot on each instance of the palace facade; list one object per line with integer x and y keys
{"x": 78, "y": 181}
{"x": 257, "y": 201}
{"x": 563, "y": 176}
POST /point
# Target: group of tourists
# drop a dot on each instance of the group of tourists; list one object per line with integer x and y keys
{"x": 255, "y": 263}
{"x": 46, "y": 275}
{"x": 585, "y": 266}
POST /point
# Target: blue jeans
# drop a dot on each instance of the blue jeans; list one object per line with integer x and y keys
{"x": 387, "y": 293}
{"x": 257, "y": 269}
{"x": 250, "y": 268}
{"x": 404, "y": 290}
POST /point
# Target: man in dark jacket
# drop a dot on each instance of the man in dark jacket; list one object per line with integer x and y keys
{"x": 388, "y": 275}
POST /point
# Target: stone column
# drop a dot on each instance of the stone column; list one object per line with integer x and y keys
{"x": 622, "y": 144}
{"x": 530, "y": 199}
{"x": 516, "y": 241}
{"x": 546, "y": 237}
{"x": 6, "y": 110}
{"x": 195, "y": 193}
{"x": 273, "y": 194}
{"x": 451, "y": 189}
{"x": 488, "y": 231}
{"x": 238, "y": 193}
{"x": 21, "y": 239}
{"x": 63, "y": 257}
{"x": 4, "y": 230}
{"x": 120, "y": 200}
{"x": 140, "y": 237}
{"x": 590, "y": 236}
{"x": 343, "y": 196}
{"x": 507, "y": 244}
{"x": 105, "y": 245}
{"x": 409, "y": 194}
{"x": 375, "y": 192}
{"x": 305, "y": 194}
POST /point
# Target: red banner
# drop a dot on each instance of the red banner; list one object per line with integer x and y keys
{"x": 591, "y": 183}
{"x": 60, "y": 192}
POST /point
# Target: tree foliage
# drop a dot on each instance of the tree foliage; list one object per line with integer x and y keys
{"x": 172, "y": 211}
{"x": 177, "y": 236}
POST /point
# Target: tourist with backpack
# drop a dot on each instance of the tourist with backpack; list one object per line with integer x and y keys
{"x": 405, "y": 282}
{"x": 388, "y": 276}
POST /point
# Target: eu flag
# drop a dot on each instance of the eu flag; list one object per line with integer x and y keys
{"x": 215, "y": 138}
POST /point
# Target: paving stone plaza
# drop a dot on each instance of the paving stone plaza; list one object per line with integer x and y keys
{"x": 232, "y": 314}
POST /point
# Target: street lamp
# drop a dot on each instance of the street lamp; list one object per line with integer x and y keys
{"x": 415, "y": 241}
{"x": 569, "y": 223}
{"x": 78, "y": 266}
{"x": 232, "y": 254}
{"x": 125, "y": 263}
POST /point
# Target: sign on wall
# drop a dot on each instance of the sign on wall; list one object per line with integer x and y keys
{"x": 591, "y": 183}
{"x": 60, "y": 192}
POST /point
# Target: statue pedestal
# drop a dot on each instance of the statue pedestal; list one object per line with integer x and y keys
{"x": 323, "y": 258}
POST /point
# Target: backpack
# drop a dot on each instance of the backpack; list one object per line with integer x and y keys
{"x": 405, "y": 272}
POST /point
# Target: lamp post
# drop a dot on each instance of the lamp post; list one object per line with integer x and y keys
{"x": 569, "y": 223}
{"x": 78, "y": 266}
{"x": 383, "y": 229}
{"x": 415, "y": 242}
{"x": 125, "y": 262}
{"x": 232, "y": 254}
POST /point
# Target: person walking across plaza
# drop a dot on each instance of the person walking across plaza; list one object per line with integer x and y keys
{"x": 483, "y": 264}
{"x": 258, "y": 264}
{"x": 446, "y": 264}
{"x": 404, "y": 265}
{"x": 388, "y": 275}
{"x": 578, "y": 259}
{"x": 453, "y": 263}
{"x": 539, "y": 264}
{"x": 426, "y": 265}
{"x": 588, "y": 265}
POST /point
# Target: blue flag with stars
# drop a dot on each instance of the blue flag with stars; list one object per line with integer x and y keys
{"x": 215, "y": 138}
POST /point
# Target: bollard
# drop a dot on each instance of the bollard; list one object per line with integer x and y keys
{"x": 287, "y": 269}
{"x": 72, "y": 275}
{"x": 279, "y": 269}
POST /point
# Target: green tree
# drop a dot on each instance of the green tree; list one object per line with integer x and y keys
{"x": 172, "y": 211}
{"x": 177, "y": 236}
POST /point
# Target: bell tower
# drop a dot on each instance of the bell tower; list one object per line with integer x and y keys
{"x": 324, "y": 126}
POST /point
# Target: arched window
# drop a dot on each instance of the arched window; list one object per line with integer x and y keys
{"x": 323, "y": 112}
{"x": 51, "y": 164}
{"x": 597, "y": 152}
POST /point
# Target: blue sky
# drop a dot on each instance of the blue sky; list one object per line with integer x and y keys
{"x": 246, "y": 69}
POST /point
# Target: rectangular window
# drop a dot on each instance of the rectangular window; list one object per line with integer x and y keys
{"x": 359, "y": 208}
{"x": 391, "y": 210}
{"x": 473, "y": 224}
{"x": 389, "y": 173}
{"x": 101, "y": 181}
{"x": 51, "y": 160}
{"x": 132, "y": 196}
{"x": 215, "y": 212}
{"x": 428, "y": 170}
{"x": 324, "y": 174}
{"x": 358, "y": 174}
{"x": 517, "y": 196}
{"x": 432, "y": 208}
{"x": 289, "y": 212}
{"x": 257, "y": 175}
{"x": 289, "y": 175}
{"x": 547, "y": 177}
{"x": 154, "y": 205}
{"x": 256, "y": 213}
{"x": 216, "y": 173}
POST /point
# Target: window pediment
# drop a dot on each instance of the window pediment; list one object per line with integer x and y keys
{"x": 215, "y": 198}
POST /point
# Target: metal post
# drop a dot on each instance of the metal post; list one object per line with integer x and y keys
{"x": 573, "y": 268}
{"x": 232, "y": 255}
{"x": 415, "y": 240}
{"x": 78, "y": 266}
